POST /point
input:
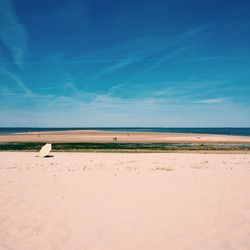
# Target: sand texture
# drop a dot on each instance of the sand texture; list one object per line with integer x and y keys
{"x": 124, "y": 201}
{"x": 108, "y": 136}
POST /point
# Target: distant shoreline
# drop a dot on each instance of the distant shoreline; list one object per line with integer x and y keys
{"x": 237, "y": 131}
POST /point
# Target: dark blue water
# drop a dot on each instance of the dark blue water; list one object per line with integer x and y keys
{"x": 219, "y": 131}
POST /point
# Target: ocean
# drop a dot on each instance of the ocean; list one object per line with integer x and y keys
{"x": 218, "y": 131}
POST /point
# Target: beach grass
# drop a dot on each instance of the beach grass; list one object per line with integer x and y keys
{"x": 123, "y": 147}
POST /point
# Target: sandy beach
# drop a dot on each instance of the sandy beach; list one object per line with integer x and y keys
{"x": 124, "y": 201}
{"x": 126, "y": 137}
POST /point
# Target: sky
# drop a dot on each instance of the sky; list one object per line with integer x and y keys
{"x": 120, "y": 63}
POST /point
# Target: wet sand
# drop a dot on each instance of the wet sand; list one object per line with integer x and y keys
{"x": 124, "y": 201}
{"x": 126, "y": 137}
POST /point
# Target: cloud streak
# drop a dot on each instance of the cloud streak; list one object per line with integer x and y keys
{"x": 25, "y": 90}
{"x": 12, "y": 32}
{"x": 13, "y": 37}
{"x": 210, "y": 101}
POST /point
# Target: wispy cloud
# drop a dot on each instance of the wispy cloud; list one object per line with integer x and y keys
{"x": 19, "y": 83}
{"x": 13, "y": 36}
{"x": 111, "y": 69}
{"x": 178, "y": 42}
{"x": 210, "y": 101}
{"x": 12, "y": 32}
{"x": 145, "y": 53}
{"x": 155, "y": 55}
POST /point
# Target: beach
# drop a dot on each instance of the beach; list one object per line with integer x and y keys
{"x": 124, "y": 125}
{"x": 124, "y": 201}
{"x": 97, "y": 136}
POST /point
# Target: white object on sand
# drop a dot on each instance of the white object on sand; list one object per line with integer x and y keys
{"x": 45, "y": 150}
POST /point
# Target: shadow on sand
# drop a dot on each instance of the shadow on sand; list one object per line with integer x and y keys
{"x": 48, "y": 156}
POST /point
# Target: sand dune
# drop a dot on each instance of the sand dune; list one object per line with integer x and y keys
{"x": 107, "y": 136}
{"x": 124, "y": 201}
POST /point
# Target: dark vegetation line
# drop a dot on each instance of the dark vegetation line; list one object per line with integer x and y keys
{"x": 75, "y": 147}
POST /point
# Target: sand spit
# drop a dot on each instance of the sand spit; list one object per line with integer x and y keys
{"x": 110, "y": 136}
{"x": 124, "y": 201}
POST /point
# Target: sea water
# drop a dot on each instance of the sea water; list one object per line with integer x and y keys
{"x": 218, "y": 131}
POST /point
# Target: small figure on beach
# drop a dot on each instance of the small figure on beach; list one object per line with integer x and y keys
{"x": 115, "y": 139}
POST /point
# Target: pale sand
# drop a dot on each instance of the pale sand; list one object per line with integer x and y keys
{"x": 107, "y": 136}
{"x": 124, "y": 201}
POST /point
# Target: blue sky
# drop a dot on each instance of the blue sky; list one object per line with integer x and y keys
{"x": 124, "y": 63}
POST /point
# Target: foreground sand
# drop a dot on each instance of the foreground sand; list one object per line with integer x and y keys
{"x": 124, "y": 201}
{"x": 107, "y": 136}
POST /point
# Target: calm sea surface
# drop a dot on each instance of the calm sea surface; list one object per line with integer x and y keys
{"x": 221, "y": 131}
